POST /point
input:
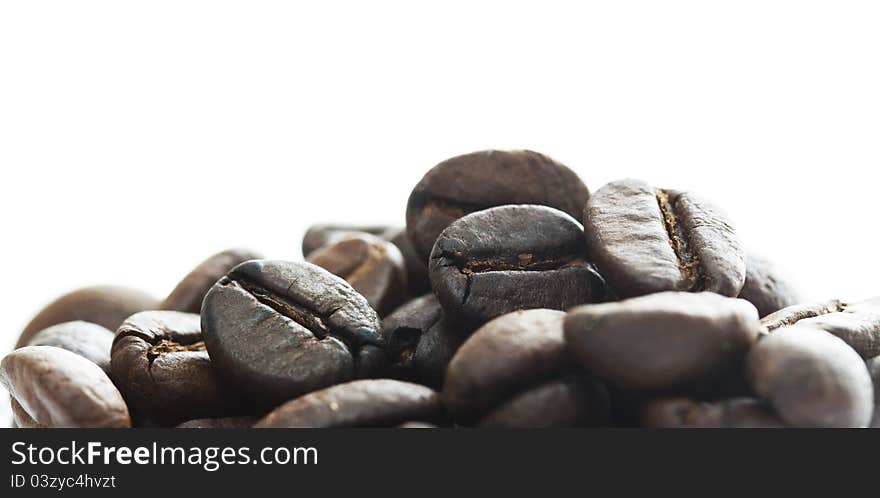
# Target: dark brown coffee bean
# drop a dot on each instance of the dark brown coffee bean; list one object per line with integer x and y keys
{"x": 278, "y": 330}
{"x": 360, "y": 403}
{"x": 506, "y": 258}
{"x": 57, "y": 388}
{"x": 324, "y": 234}
{"x": 670, "y": 340}
{"x": 89, "y": 340}
{"x": 161, "y": 366}
{"x": 573, "y": 401}
{"x": 812, "y": 378}
{"x": 504, "y": 360}
{"x": 858, "y": 324}
{"x": 674, "y": 413}
{"x": 219, "y": 423}
{"x": 420, "y": 342}
{"x": 481, "y": 180}
{"x": 416, "y": 265}
{"x": 765, "y": 287}
{"x": 646, "y": 240}
{"x": 190, "y": 292}
{"x": 371, "y": 265}
{"x": 106, "y": 306}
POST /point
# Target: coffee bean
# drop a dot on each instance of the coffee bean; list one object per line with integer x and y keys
{"x": 506, "y": 365}
{"x": 57, "y": 388}
{"x": 858, "y": 324}
{"x": 360, "y": 403}
{"x": 106, "y": 306}
{"x": 416, "y": 265}
{"x": 765, "y": 287}
{"x": 573, "y": 401}
{"x": 505, "y": 258}
{"x": 371, "y": 265}
{"x": 670, "y": 340}
{"x": 420, "y": 342}
{"x": 190, "y": 292}
{"x": 161, "y": 366}
{"x": 89, "y": 340}
{"x": 324, "y": 234}
{"x": 219, "y": 423}
{"x": 676, "y": 413}
{"x": 874, "y": 369}
{"x": 278, "y": 330}
{"x": 812, "y": 378}
{"x": 646, "y": 240}
{"x": 481, "y": 180}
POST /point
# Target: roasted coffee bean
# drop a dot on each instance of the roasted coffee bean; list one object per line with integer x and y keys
{"x": 220, "y": 423}
{"x": 324, "y": 234}
{"x": 858, "y": 324}
{"x": 568, "y": 402}
{"x": 89, "y": 340}
{"x": 676, "y": 413}
{"x": 646, "y": 240}
{"x": 812, "y": 378}
{"x": 506, "y": 365}
{"x": 420, "y": 342}
{"x": 161, "y": 366}
{"x": 416, "y": 265}
{"x": 371, "y": 265}
{"x": 505, "y": 258}
{"x": 278, "y": 330}
{"x": 874, "y": 369}
{"x": 481, "y": 180}
{"x": 670, "y": 340}
{"x": 57, "y": 388}
{"x": 190, "y": 292}
{"x": 765, "y": 287}
{"x": 360, "y": 403}
{"x": 106, "y": 306}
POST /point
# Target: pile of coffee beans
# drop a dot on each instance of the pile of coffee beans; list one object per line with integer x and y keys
{"x": 512, "y": 298}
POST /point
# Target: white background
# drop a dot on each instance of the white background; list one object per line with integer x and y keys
{"x": 135, "y": 140}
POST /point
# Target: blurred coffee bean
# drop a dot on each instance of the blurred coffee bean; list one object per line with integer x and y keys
{"x": 858, "y": 324}
{"x": 646, "y": 240}
{"x": 106, "y": 306}
{"x": 765, "y": 287}
{"x": 278, "y": 330}
{"x": 360, "y": 403}
{"x": 481, "y": 180}
{"x": 416, "y": 265}
{"x": 505, "y": 258}
{"x": 669, "y": 340}
{"x": 324, "y": 234}
{"x": 811, "y": 378}
{"x": 161, "y": 366}
{"x": 676, "y": 413}
{"x": 57, "y": 388}
{"x": 190, "y": 292}
{"x": 89, "y": 340}
{"x": 420, "y": 342}
{"x": 371, "y": 265}
{"x": 219, "y": 423}
{"x": 506, "y": 365}
{"x": 572, "y": 401}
